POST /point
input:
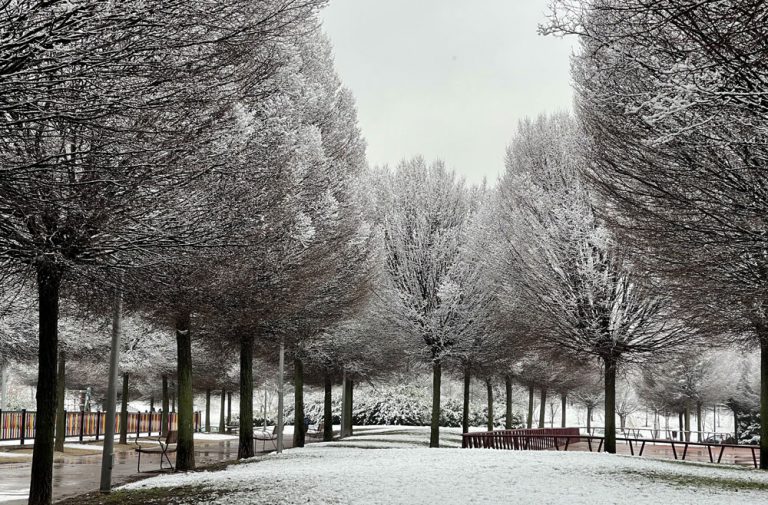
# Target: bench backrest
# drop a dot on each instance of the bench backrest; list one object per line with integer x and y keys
{"x": 172, "y": 437}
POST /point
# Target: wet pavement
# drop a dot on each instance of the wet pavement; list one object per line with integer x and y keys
{"x": 75, "y": 475}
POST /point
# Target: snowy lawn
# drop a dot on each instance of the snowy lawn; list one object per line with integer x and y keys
{"x": 390, "y": 465}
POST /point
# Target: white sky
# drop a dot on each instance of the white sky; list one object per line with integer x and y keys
{"x": 447, "y": 79}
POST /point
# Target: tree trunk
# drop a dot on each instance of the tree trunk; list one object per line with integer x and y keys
{"x": 529, "y": 423}
{"x": 543, "y": 407}
{"x": 736, "y": 425}
{"x": 343, "y": 430}
{"x": 3, "y": 384}
{"x": 681, "y": 424}
{"x": 328, "y": 409}
{"x": 245, "y": 448}
{"x": 207, "y": 410}
{"x": 222, "y": 411}
{"x": 299, "y": 434}
{"x": 763, "y": 400}
{"x": 173, "y": 401}
{"x": 185, "y": 448}
{"x": 434, "y": 433}
{"x": 622, "y": 422}
{"x": 151, "y": 404}
{"x": 280, "y": 396}
{"x": 465, "y": 409}
{"x": 229, "y": 408}
{"x": 589, "y": 420}
{"x": 687, "y": 414}
{"x": 489, "y": 388}
{"x": 61, "y": 420}
{"x": 349, "y": 404}
{"x": 48, "y": 284}
{"x": 699, "y": 422}
{"x": 610, "y": 406}
{"x": 164, "y": 414}
{"x": 508, "y": 420}
{"x": 124, "y": 412}
{"x": 563, "y": 405}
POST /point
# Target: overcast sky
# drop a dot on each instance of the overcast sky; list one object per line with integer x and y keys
{"x": 447, "y": 79}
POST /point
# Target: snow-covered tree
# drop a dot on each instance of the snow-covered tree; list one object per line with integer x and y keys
{"x": 424, "y": 211}
{"x": 567, "y": 262}
{"x": 672, "y": 97}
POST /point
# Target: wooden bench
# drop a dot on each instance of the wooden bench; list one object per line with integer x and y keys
{"x": 164, "y": 448}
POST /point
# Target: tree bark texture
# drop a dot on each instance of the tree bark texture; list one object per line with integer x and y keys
{"x": 229, "y": 407}
{"x": 164, "y": 415}
{"x": 48, "y": 285}
{"x": 563, "y": 406}
{"x": 222, "y": 411}
{"x": 699, "y": 422}
{"x": 61, "y": 420}
{"x": 489, "y": 389}
{"x": 299, "y": 434}
{"x": 185, "y": 449}
{"x": 245, "y": 448}
{"x": 124, "y": 411}
{"x": 465, "y": 409}
{"x": 508, "y": 420}
{"x": 328, "y": 409}
{"x": 763, "y": 400}
{"x": 529, "y": 423}
{"x": 349, "y": 403}
{"x": 207, "y": 410}
{"x": 543, "y": 407}
{"x": 610, "y": 406}
{"x": 434, "y": 434}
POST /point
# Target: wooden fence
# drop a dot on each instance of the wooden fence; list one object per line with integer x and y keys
{"x": 20, "y": 424}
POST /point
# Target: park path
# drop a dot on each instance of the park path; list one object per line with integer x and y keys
{"x": 74, "y": 475}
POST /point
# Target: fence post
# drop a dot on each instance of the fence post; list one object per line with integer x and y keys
{"x": 82, "y": 423}
{"x": 98, "y": 424}
{"x": 23, "y": 425}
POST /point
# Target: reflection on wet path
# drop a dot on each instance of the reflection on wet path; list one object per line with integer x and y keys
{"x": 73, "y": 475}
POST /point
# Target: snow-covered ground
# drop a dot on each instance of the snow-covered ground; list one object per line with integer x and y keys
{"x": 391, "y": 465}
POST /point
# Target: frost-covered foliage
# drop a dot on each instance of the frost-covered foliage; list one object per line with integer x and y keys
{"x": 589, "y": 299}
{"x": 401, "y": 404}
{"x": 424, "y": 210}
{"x": 673, "y": 99}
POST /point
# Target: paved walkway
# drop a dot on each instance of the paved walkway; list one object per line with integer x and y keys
{"x": 74, "y": 475}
